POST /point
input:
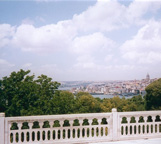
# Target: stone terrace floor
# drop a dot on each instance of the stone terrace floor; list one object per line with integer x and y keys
{"x": 141, "y": 141}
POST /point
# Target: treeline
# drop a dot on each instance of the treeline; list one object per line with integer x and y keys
{"x": 22, "y": 94}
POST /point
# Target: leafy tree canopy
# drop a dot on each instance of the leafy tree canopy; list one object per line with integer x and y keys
{"x": 153, "y": 96}
{"x": 22, "y": 94}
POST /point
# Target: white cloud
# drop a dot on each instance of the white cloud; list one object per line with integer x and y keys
{"x": 5, "y": 63}
{"x": 27, "y": 65}
{"x": 47, "y": 38}
{"x": 6, "y": 33}
{"x": 6, "y": 67}
{"x": 100, "y": 17}
{"x": 86, "y": 65}
{"x": 40, "y": 19}
{"x": 85, "y": 37}
{"x": 145, "y": 47}
{"x": 27, "y": 21}
{"x": 137, "y": 9}
{"x": 90, "y": 48}
{"x": 85, "y": 58}
{"x": 51, "y": 70}
{"x": 111, "y": 15}
{"x": 92, "y": 43}
{"x": 85, "y": 62}
{"x": 108, "y": 58}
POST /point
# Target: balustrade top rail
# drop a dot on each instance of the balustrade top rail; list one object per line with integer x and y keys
{"x": 138, "y": 113}
{"x": 73, "y": 128}
{"x": 60, "y": 117}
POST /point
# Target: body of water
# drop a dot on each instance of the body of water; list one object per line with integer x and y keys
{"x": 101, "y": 96}
{"x": 110, "y": 96}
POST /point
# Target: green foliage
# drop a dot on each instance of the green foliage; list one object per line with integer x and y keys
{"x": 63, "y": 103}
{"x": 153, "y": 96}
{"x": 21, "y": 94}
{"x": 134, "y": 104}
{"x": 139, "y": 103}
{"x": 86, "y": 103}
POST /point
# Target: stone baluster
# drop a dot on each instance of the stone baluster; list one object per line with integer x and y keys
{"x": 81, "y": 128}
{"x": 86, "y": 130}
{"x": 76, "y": 133}
{"x": 30, "y": 131}
{"x": 141, "y": 128}
{"x": 41, "y": 130}
{"x": 19, "y": 132}
{"x": 145, "y": 124}
{"x": 71, "y": 128}
{"x": 109, "y": 126}
{"x": 90, "y": 128}
{"x": 47, "y": 134}
{"x": 61, "y": 128}
{"x": 36, "y": 135}
{"x": 137, "y": 124}
{"x": 149, "y": 127}
{"x": 153, "y": 118}
{"x": 128, "y": 125}
{"x": 51, "y": 129}
{"x": 132, "y": 127}
{"x": 25, "y": 137}
{"x": 99, "y": 127}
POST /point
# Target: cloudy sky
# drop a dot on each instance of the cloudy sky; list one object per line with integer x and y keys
{"x": 81, "y": 40}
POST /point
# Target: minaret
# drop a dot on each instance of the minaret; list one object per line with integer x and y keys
{"x": 147, "y": 77}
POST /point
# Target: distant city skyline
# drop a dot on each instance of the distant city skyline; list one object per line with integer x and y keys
{"x": 81, "y": 40}
{"x": 104, "y": 89}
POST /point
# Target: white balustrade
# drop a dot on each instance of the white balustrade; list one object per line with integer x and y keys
{"x": 58, "y": 128}
{"x": 135, "y": 125}
{"x": 79, "y": 128}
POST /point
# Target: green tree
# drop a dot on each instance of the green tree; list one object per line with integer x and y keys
{"x": 115, "y": 102}
{"x": 153, "y": 96}
{"x": 139, "y": 103}
{"x": 11, "y": 92}
{"x": 86, "y": 103}
{"x": 63, "y": 103}
{"x": 21, "y": 94}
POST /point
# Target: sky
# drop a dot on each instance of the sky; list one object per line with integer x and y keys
{"x": 81, "y": 40}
